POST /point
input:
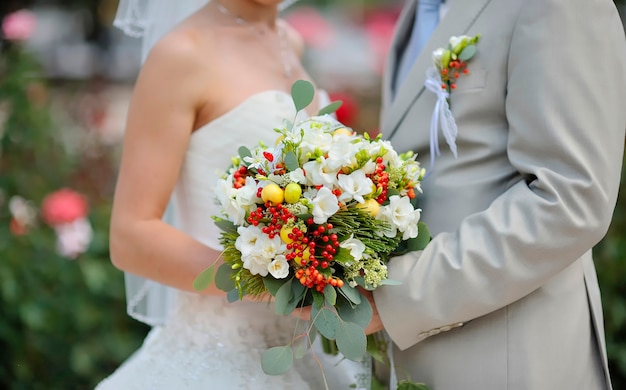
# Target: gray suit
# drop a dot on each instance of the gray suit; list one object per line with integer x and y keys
{"x": 505, "y": 296}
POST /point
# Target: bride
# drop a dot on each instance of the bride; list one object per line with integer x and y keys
{"x": 216, "y": 76}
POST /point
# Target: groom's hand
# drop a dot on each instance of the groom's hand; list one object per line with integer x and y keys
{"x": 376, "y": 324}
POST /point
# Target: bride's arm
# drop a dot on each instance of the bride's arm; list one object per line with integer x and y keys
{"x": 169, "y": 92}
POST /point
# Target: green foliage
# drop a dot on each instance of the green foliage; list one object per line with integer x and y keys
{"x": 63, "y": 323}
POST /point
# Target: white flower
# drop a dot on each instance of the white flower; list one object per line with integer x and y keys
{"x": 320, "y": 173}
{"x": 256, "y": 264}
{"x": 354, "y": 186}
{"x": 236, "y": 202}
{"x": 437, "y": 55}
{"x": 401, "y": 215}
{"x": 455, "y": 41}
{"x": 73, "y": 238}
{"x": 356, "y": 247}
{"x": 246, "y": 243}
{"x": 342, "y": 152}
{"x": 325, "y": 204}
{"x": 315, "y": 139}
{"x": 279, "y": 268}
{"x": 297, "y": 176}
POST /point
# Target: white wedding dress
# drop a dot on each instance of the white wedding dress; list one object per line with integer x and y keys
{"x": 208, "y": 343}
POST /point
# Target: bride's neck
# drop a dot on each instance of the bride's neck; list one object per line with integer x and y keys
{"x": 249, "y": 12}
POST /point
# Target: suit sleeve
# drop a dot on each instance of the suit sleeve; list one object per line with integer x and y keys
{"x": 565, "y": 100}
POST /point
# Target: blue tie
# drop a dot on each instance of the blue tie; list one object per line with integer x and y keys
{"x": 426, "y": 20}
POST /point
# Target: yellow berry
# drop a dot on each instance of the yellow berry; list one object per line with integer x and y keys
{"x": 293, "y": 191}
{"x": 284, "y": 234}
{"x": 272, "y": 193}
{"x": 371, "y": 206}
{"x": 342, "y": 130}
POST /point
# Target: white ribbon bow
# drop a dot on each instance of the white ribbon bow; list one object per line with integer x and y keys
{"x": 441, "y": 115}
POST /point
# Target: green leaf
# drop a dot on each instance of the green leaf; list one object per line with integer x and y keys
{"x": 226, "y": 225}
{"x": 224, "y": 278}
{"x": 205, "y": 279}
{"x": 277, "y": 360}
{"x": 351, "y": 341}
{"x": 390, "y": 282}
{"x": 283, "y": 297}
{"x": 344, "y": 257}
{"x": 330, "y": 295}
{"x": 233, "y": 296}
{"x": 291, "y": 161}
{"x": 375, "y": 350}
{"x": 244, "y": 152}
{"x": 273, "y": 285}
{"x": 350, "y": 293}
{"x": 360, "y": 314}
{"x": 423, "y": 238}
{"x": 407, "y": 385}
{"x": 318, "y": 299}
{"x": 326, "y": 321}
{"x": 331, "y": 108}
{"x": 302, "y": 93}
{"x": 467, "y": 53}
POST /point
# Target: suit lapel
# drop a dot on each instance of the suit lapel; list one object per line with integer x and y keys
{"x": 458, "y": 21}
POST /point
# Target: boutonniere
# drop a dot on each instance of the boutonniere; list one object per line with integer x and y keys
{"x": 449, "y": 64}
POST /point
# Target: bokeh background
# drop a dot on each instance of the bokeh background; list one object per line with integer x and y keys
{"x": 66, "y": 76}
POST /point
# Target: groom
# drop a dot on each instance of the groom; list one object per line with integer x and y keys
{"x": 505, "y": 295}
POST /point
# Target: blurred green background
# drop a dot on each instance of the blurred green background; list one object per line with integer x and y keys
{"x": 63, "y": 98}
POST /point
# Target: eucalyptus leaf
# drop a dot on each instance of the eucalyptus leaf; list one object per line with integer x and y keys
{"x": 326, "y": 321}
{"x": 374, "y": 350}
{"x": 390, "y": 282}
{"x": 467, "y": 53}
{"x": 318, "y": 299}
{"x": 233, "y": 296}
{"x": 330, "y": 295}
{"x": 299, "y": 351}
{"x": 351, "y": 341}
{"x": 273, "y": 285}
{"x": 351, "y": 293}
{"x": 244, "y": 152}
{"x": 205, "y": 279}
{"x": 277, "y": 360}
{"x": 331, "y": 108}
{"x": 283, "y": 297}
{"x": 360, "y": 314}
{"x": 226, "y": 225}
{"x": 302, "y": 93}
{"x": 224, "y": 278}
{"x": 291, "y": 161}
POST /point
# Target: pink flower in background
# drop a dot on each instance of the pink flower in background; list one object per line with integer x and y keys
{"x": 19, "y": 25}
{"x": 63, "y": 206}
{"x": 311, "y": 25}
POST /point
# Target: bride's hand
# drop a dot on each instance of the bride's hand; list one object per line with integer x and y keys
{"x": 303, "y": 313}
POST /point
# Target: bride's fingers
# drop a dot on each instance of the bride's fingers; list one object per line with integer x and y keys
{"x": 304, "y": 313}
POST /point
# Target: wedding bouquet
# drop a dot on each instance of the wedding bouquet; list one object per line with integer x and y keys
{"x": 312, "y": 218}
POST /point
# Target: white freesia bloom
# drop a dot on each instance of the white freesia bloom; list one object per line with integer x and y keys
{"x": 401, "y": 215}
{"x": 437, "y": 55}
{"x": 325, "y": 204}
{"x": 279, "y": 268}
{"x": 315, "y": 138}
{"x": 455, "y": 41}
{"x": 256, "y": 264}
{"x": 320, "y": 173}
{"x": 355, "y": 246}
{"x": 354, "y": 186}
{"x": 248, "y": 238}
{"x": 342, "y": 152}
{"x": 236, "y": 202}
{"x": 297, "y": 176}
